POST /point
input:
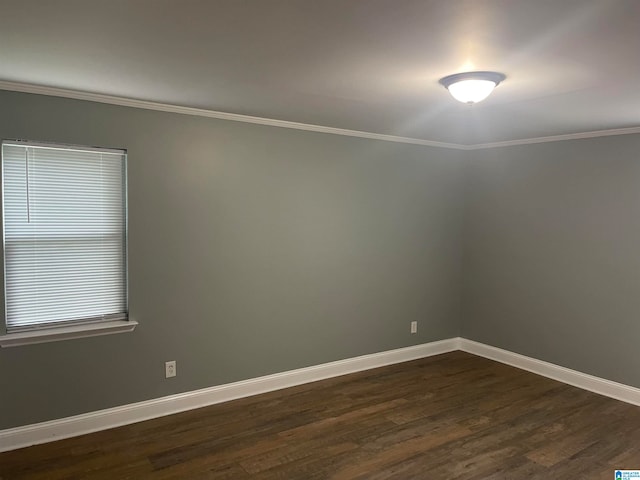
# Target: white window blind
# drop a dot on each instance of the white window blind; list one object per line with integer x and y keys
{"x": 64, "y": 213}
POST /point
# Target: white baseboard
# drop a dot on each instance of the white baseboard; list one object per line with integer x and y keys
{"x": 599, "y": 385}
{"x": 38, "y": 433}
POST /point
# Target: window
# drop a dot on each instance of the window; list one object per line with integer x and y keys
{"x": 65, "y": 236}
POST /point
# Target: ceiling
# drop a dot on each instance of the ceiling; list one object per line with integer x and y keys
{"x": 370, "y": 65}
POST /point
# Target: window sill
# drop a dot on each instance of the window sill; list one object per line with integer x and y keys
{"x": 67, "y": 333}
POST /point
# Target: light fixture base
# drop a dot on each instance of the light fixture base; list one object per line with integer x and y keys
{"x": 494, "y": 77}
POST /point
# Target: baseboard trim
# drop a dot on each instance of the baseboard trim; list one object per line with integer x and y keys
{"x": 38, "y": 433}
{"x": 19, "y": 437}
{"x": 581, "y": 380}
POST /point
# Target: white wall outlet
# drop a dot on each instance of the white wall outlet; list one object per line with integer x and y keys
{"x": 170, "y": 369}
{"x": 414, "y": 327}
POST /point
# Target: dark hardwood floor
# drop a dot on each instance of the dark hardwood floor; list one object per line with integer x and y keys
{"x": 453, "y": 416}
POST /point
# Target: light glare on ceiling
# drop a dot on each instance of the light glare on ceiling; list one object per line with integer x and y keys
{"x": 472, "y": 87}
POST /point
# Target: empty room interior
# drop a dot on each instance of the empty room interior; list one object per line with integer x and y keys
{"x": 337, "y": 239}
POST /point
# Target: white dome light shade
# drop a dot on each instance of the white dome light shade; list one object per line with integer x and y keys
{"x": 472, "y": 87}
{"x": 471, "y": 91}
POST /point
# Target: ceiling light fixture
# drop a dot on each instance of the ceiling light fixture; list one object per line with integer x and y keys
{"x": 472, "y": 87}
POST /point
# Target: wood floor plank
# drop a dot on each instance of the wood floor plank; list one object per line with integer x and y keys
{"x": 454, "y": 416}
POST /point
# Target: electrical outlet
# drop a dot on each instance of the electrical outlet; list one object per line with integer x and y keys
{"x": 170, "y": 369}
{"x": 414, "y": 327}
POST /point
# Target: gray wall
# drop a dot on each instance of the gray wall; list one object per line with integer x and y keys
{"x": 552, "y": 253}
{"x": 253, "y": 250}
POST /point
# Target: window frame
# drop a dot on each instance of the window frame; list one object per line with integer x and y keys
{"x": 63, "y": 330}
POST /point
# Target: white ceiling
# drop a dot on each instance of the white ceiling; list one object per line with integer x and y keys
{"x": 370, "y": 65}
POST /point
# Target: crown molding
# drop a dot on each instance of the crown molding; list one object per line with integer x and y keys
{"x": 556, "y": 138}
{"x": 235, "y": 117}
